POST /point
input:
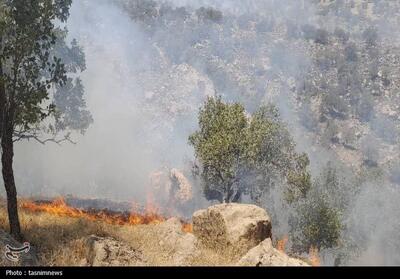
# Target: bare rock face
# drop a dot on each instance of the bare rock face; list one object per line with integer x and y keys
{"x": 181, "y": 246}
{"x": 242, "y": 226}
{"x": 107, "y": 251}
{"x": 265, "y": 254}
{"x": 24, "y": 258}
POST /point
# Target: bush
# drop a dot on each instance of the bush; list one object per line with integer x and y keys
{"x": 394, "y": 173}
{"x": 334, "y": 105}
{"x": 370, "y": 36}
{"x": 370, "y": 151}
{"x": 373, "y": 70}
{"x": 350, "y": 52}
{"x": 308, "y": 32}
{"x": 317, "y": 225}
{"x": 342, "y": 35}
{"x": 308, "y": 119}
{"x": 321, "y": 37}
{"x": 365, "y": 108}
{"x": 209, "y": 14}
{"x": 386, "y": 129}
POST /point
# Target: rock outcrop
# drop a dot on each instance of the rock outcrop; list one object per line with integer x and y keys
{"x": 25, "y": 258}
{"x": 238, "y": 225}
{"x": 107, "y": 251}
{"x": 265, "y": 254}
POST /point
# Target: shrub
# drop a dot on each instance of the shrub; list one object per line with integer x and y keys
{"x": 321, "y": 37}
{"x": 342, "y": 35}
{"x": 334, "y": 105}
{"x": 317, "y": 224}
{"x": 365, "y": 108}
{"x": 370, "y": 36}
{"x": 350, "y": 53}
{"x": 370, "y": 151}
{"x": 209, "y": 14}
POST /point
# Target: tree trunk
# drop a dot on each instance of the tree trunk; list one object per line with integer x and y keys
{"x": 2, "y": 101}
{"x": 7, "y": 155}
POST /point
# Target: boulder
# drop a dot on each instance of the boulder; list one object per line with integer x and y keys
{"x": 25, "y": 258}
{"x": 181, "y": 246}
{"x": 242, "y": 226}
{"x": 108, "y": 251}
{"x": 265, "y": 254}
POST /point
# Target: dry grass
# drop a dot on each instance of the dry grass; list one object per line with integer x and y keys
{"x": 59, "y": 241}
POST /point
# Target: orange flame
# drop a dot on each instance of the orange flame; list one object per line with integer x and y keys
{"x": 187, "y": 228}
{"x": 60, "y": 208}
{"x": 281, "y": 244}
{"x": 314, "y": 256}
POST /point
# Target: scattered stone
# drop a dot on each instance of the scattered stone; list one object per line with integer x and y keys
{"x": 107, "y": 251}
{"x": 180, "y": 245}
{"x": 266, "y": 255}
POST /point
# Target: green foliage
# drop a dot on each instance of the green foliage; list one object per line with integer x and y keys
{"x": 239, "y": 154}
{"x": 317, "y": 225}
{"x": 317, "y": 220}
{"x": 35, "y": 62}
{"x": 220, "y": 145}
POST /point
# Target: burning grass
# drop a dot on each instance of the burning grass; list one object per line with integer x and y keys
{"x": 314, "y": 257}
{"x": 57, "y": 232}
{"x": 60, "y": 208}
{"x": 281, "y": 244}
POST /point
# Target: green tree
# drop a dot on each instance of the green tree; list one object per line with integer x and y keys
{"x": 317, "y": 224}
{"x": 317, "y": 220}
{"x": 33, "y": 99}
{"x": 240, "y": 154}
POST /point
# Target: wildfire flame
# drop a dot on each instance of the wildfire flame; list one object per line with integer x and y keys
{"x": 314, "y": 256}
{"x": 60, "y": 208}
{"x": 187, "y": 228}
{"x": 281, "y": 244}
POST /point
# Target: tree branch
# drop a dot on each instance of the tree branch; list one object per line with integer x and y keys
{"x": 23, "y": 135}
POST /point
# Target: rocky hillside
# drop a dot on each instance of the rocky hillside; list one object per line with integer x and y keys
{"x": 332, "y": 67}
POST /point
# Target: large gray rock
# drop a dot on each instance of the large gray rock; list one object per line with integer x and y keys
{"x": 242, "y": 226}
{"x": 27, "y": 258}
{"x": 107, "y": 251}
{"x": 265, "y": 254}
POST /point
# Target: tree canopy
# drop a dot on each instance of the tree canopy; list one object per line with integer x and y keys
{"x": 241, "y": 154}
